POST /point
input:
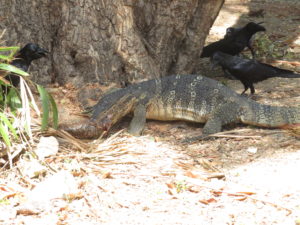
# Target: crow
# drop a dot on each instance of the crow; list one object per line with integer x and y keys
{"x": 23, "y": 60}
{"x": 230, "y": 31}
{"x": 235, "y": 40}
{"x": 249, "y": 71}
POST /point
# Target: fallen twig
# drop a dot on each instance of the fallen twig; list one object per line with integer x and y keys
{"x": 294, "y": 63}
{"x": 234, "y": 136}
{"x": 68, "y": 137}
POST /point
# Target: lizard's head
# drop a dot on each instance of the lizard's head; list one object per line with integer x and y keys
{"x": 112, "y": 108}
{"x": 255, "y": 27}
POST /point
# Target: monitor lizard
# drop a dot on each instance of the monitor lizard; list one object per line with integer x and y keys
{"x": 181, "y": 97}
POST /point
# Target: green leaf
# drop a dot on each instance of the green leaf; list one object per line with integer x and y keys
{"x": 45, "y": 106}
{"x": 12, "y": 48}
{"x": 13, "y": 69}
{"x": 13, "y": 52}
{"x": 47, "y": 99}
{"x": 13, "y": 99}
{"x": 9, "y": 125}
{"x": 54, "y": 111}
{"x": 4, "y": 135}
{"x": 5, "y": 57}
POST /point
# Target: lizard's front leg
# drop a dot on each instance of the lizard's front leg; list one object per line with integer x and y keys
{"x": 138, "y": 121}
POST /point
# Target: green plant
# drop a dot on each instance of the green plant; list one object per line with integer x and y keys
{"x": 47, "y": 100}
{"x": 265, "y": 48}
{"x": 180, "y": 186}
{"x": 17, "y": 106}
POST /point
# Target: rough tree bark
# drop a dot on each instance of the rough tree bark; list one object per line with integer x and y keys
{"x": 110, "y": 40}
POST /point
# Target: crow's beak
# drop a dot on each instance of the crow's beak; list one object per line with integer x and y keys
{"x": 42, "y": 52}
{"x": 261, "y": 28}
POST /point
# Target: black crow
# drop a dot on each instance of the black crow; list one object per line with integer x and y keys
{"x": 235, "y": 40}
{"x": 23, "y": 60}
{"x": 249, "y": 71}
{"x": 230, "y": 31}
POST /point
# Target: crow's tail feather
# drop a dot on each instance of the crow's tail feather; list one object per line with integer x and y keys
{"x": 288, "y": 75}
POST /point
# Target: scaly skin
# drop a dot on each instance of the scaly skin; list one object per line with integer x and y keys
{"x": 182, "y": 97}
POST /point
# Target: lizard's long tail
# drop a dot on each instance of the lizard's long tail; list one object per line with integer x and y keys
{"x": 271, "y": 116}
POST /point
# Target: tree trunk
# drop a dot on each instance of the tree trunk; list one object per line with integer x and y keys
{"x": 110, "y": 40}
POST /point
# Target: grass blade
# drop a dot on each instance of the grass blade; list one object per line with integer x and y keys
{"x": 11, "y": 48}
{"x": 5, "y": 57}
{"x": 25, "y": 113}
{"x": 54, "y": 112}
{"x": 13, "y": 69}
{"x": 13, "y": 99}
{"x": 45, "y": 105}
{"x": 4, "y": 81}
{"x": 5, "y": 120}
{"x": 32, "y": 102}
{"x": 5, "y": 136}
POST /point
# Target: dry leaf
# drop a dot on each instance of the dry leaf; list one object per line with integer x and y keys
{"x": 27, "y": 212}
{"x": 247, "y": 192}
{"x": 170, "y": 185}
{"x": 242, "y": 199}
{"x": 170, "y": 192}
{"x": 107, "y": 175}
{"x": 194, "y": 189}
{"x": 217, "y": 193}
{"x": 235, "y": 194}
{"x": 72, "y": 196}
{"x": 190, "y": 174}
{"x": 206, "y": 202}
